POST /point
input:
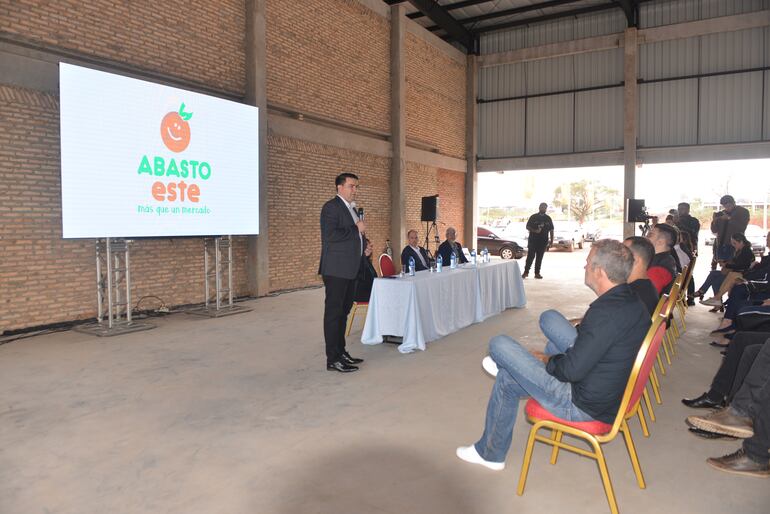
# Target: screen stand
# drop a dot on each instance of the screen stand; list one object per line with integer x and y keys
{"x": 218, "y": 279}
{"x": 113, "y": 291}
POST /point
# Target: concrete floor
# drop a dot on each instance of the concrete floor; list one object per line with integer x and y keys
{"x": 238, "y": 415}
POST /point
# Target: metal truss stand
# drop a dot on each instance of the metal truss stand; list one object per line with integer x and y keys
{"x": 113, "y": 291}
{"x": 218, "y": 278}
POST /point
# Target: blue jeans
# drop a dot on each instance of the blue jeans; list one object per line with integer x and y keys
{"x": 713, "y": 280}
{"x": 559, "y": 332}
{"x": 520, "y": 375}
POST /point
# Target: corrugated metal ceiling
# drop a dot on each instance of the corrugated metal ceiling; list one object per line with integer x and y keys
{"x": 499, "y": 6}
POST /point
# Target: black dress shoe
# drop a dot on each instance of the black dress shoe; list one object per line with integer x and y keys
{"x": 348, "y": 359}
{"x": 719, "y": 345}
{"x": 538, "y": 275}
{"x": 341, "y": 367}
{"x": 703, "y": 402}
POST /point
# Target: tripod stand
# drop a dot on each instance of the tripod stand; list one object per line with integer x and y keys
{"x": 429, "y": 227}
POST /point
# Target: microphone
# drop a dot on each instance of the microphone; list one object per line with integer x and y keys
{"x": 361, "y": 213}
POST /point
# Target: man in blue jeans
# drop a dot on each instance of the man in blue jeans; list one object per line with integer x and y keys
{"x": 584, "y": 370}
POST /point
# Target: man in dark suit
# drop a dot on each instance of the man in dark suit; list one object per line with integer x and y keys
{"x": 342, "y": 246}
{"x": 418, "y": 253}
{"x": 450, "y": 246}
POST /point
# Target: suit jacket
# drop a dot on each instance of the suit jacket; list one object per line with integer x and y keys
{"x": 341, "y": 247}
{"x": 409, "y": 252}
{"x": 445, "y": 251}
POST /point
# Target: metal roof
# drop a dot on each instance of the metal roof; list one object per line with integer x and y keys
{"x": 463, "y": 21}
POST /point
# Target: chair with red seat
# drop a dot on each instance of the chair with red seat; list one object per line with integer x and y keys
{"x": 596, "y": 433}
{"x": 363, "y": 306}
{"x": 387, "y": 268}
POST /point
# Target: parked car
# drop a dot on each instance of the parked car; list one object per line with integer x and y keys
{"x": 593, "y": 233}
{"x": 515, "y": 231}
{"x": 757, "y": 236}
{"x": 496, "y": 245}
{"x": 568, "y": 236}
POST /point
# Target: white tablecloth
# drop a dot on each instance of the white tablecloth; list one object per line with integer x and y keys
{"x": 429, "y": 306}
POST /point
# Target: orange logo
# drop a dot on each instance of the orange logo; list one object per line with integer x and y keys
{"x": 175, "y": 131}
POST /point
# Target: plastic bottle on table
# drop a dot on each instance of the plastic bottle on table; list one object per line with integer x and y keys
{"x": 411, "y": 266}
{"x": 453, "y": 261}
{"x": 439, "y": 263}
{"x": 473, "y": 256}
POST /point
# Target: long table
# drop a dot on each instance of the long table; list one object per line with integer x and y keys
{"x": 429, "y": 306}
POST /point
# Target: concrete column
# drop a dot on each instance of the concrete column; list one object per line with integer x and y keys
{"x": 471, "y": 150}
{"x": 630, "y": 108}
{"x": 398, "y": 130}
{"x": 258, "y": 260}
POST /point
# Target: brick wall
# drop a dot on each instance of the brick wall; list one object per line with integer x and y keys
{"x": 329, "y": 57}
{"x": 435, "y": 97}
{"x": 197, "y": 40}
{"x": 427, "y": 181}
{"x": 46, "y": 279}
{"x": 301, "y": 179}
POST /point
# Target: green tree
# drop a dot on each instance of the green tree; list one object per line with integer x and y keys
{"x": 584, "y": 199}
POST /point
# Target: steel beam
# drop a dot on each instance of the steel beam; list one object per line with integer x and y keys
{"x": 443, "y": 19}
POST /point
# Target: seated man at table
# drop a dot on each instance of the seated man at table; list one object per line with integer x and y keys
{"x": 450, "y": 246}
{"x": 584, "y": 370}
{"x": 418, "y": 253}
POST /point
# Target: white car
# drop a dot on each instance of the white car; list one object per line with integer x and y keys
{"x": 568, "y": 235}
{"x": 757, "y": 236}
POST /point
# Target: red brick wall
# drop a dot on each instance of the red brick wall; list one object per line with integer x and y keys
{"x": 301, "y": 177}
{"x": 427, "y": 181}
{"x": 197, "y": 40}
{"x": 329, "y": 57}
{"x": 435, "y": 97}
{"x": 45, "y": 279}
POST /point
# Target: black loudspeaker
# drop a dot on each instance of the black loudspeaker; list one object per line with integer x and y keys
{"x": 429, "y": 211}
{"x": 636, "y": 211}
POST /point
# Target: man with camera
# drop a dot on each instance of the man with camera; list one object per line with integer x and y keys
{"x": 732, "y": 219}
{"x": 540, "y": 226}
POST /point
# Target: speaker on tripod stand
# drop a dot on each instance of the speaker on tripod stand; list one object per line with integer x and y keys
{"x": 429, "y": 214}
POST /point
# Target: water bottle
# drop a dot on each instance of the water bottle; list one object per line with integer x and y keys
{"x": 453, "y": 261}
{"x": 439, "y": 263}
{"x": 485, "y": 254}
{"x": 473, "y": 256}
{"x": 411, "y": 266}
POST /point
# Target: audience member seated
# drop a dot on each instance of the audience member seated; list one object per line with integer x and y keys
{"x": 662, "y": 270}
{"x": 638, "y": 281}
{"x": 418, "y": 253}
{"x": 584, "y": 370}
{"x": 450, "y": 246}
{"x": 752, "y": 289}
{"x": 719, "y": 393}
{"x": 739, "y": 263}
{"x": 746, "y": 417}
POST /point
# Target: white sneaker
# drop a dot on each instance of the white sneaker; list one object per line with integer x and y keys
{"x": 469, "y": 454}
{"x": 489, "y": 365}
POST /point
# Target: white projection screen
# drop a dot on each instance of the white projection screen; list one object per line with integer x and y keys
{"x": 140, "y": 159}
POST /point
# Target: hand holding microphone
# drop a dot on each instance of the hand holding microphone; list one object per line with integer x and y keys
{"x": 360, "y": 213}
